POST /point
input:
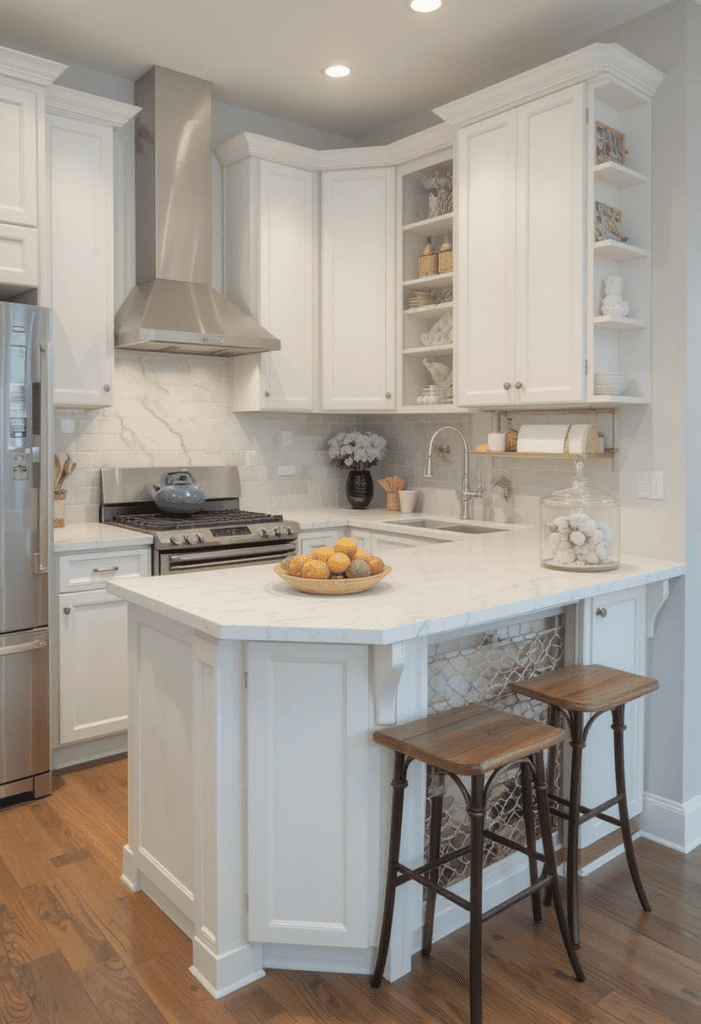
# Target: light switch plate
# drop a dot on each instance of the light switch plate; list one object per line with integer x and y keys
{"x": 657, "y": 485}
{"x": 642, "y": 483}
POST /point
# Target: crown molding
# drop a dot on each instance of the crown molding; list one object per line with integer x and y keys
{"x": 38, "y": 70}
{"x": 73, "y": 103}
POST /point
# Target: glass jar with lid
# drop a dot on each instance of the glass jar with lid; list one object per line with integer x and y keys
{"x": 579, "y": 528}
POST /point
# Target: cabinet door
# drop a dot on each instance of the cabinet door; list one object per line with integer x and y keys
{"x": 92, "y": 665}
{"x": 550, "y": 203}
{"x": 485, "y": 260}
{"x": 313, "y": 819}
{"x": 358, "y": 288}
{"x": 614, "y": 635}
{"x": 311, "y": 539}
{"x": 82, "y": 297}
{"x": 19, "y": 259}
{"x": 18, "y": 166}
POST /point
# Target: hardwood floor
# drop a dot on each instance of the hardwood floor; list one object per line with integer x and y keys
{"x": 76, "y": 947}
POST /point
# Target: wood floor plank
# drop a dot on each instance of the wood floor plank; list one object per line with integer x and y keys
{"x": 56, "y": 993}
{"x": 24, "y": 937}
{"x": 171, "y": 987}
{"x": 25, "y": 848}
{"x": 15, "y": 1005}
{"x": 71, "y": 925}
{"x": 117, "y": 995}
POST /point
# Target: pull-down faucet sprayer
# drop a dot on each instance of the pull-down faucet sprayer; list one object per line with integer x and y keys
{"x": 466, "y": 495}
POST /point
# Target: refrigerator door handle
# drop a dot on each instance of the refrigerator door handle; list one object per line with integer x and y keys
{"x": 33, "y": 645}
{"x": 41, "y": 560}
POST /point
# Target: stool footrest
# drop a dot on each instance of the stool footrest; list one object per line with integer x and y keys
{"x": 587, "y": 813}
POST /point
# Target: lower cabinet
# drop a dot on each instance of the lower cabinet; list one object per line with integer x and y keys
{"x": 92, "y": 643}
{"x": 310, "y": 539}
{"x": 614, "y": 634}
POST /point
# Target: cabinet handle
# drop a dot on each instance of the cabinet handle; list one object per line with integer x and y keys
{"x": 66, "y": 610}
{"x": 507, "y": 386}
{"x": 518, "y": 385}
{"x": 109, "y": 568}
{"x": 601, "y": 612}
{"x": 266, "y": 394}
{"x": 388, "y": 394}
{"x": 106, "y": 387}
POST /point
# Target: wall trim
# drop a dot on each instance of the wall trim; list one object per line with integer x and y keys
{"x": 673, "y": 824}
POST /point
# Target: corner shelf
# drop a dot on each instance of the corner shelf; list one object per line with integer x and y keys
{"x": 619, "y": 323}
{"x": 432, "y": 225}
{"x": 609, "y": 453}
{"x": 429, "y": 311}
{"x": 613, "y": 250}
{"x": 618, "y": 175}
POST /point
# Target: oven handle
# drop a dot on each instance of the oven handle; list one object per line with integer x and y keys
{"x": 185, "y": 563}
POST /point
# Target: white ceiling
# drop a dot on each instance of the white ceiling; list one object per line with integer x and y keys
{"x": 267, "y": 55}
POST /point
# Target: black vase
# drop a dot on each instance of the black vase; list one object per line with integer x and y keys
{"x": 359, "y": 488}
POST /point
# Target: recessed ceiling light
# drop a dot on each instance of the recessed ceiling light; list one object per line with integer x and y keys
{"x": 337, "y": 71}
{"x": 424, "y": 6}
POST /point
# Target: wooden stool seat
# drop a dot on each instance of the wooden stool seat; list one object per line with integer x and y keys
{"x": 571, "y": 693}
{"x": 474, "y": 741}
{"x": 470, "y": 740}
{"x": 586, "y": 687}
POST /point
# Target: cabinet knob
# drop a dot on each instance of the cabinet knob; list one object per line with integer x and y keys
{"x": 601, "y": 612}
{"x": 518, "y": 385}
{"x": 266, "y": 394}
{"x": 388, "y": 394}
{"x": 507, "y": 386}
{"x": 106, "y": 387}
{"x": 66, "y": 610}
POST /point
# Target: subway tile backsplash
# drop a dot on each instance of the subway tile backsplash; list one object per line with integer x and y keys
{"x": 175, "y": 411}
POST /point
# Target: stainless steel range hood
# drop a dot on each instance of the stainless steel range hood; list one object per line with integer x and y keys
{"x": 174, "y": 307}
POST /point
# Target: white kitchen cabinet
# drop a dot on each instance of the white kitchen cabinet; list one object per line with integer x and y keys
{"x": 614, "y": 634}
{"x": 19, "y": 259}
{"x": 79, "y": 146}
{"x": 271, "y": 238}
{"x": 308, "y": 540}
{"x": 382, "y": 543}
{"x": 317, "y": 806}
{"x": 358, "y": 349}
{"x": 92, "y": 642}
{"x": 20, "y": 107}
{"x": 520, "y": 254}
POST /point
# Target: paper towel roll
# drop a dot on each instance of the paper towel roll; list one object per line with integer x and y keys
{"x": 542, "y": 438}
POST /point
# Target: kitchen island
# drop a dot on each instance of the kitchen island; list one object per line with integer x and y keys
{"x": 258, "y": 804}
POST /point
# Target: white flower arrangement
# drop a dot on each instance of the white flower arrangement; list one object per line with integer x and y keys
{"x": 352, "y": 449}
{"x": 577, "y": 541}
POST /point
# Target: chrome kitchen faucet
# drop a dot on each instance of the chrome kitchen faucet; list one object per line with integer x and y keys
{"x": 466, "y": 495}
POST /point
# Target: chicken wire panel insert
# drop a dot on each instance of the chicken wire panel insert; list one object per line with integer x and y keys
{"x": 479, "y": 668}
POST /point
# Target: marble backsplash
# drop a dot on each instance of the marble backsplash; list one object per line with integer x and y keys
{"x": 175, "y": 411}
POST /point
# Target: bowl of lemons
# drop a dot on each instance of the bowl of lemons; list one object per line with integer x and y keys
{"x": 343, "y": 569}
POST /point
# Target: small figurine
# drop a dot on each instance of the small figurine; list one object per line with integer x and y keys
{"x": 613, "y": 303}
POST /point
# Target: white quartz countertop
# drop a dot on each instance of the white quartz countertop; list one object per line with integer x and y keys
{"x": 89, "y": 536}
{"x": 432, "y": 589}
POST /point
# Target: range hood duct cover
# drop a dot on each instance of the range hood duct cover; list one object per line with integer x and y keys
{"x": 173, "y": 307}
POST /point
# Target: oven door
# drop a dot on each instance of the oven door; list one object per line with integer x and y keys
{"x": 167, "y": 562}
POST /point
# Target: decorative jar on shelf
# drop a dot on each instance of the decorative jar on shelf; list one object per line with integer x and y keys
{"x": 579, "y": 528}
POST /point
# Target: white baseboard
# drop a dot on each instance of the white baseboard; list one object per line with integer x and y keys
{"x": 88, "y": 750}
{"x": 318, "y": 958}
{"x": 670, "y": 823}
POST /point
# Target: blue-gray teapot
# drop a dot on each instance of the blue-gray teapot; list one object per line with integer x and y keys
{"x": 179, "y": 495}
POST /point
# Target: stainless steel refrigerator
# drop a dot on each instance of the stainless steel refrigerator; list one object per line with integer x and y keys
{"x": 26, "y": 487}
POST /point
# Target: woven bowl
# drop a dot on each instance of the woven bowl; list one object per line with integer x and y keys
{"x": 330, "y": 587}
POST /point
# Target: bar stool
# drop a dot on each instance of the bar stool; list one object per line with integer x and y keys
{"x": 474, "y": 741}
{"x": 572, "y": 692}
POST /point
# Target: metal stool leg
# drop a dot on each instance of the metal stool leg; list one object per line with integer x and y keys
{"x": 436, "y": 789}
{"x": 399, "y": 784}
{"x": 577, "y": 744}
{"x": 554, "y": 718}
{"x": 476, "y": 813}
{"x": 550, "y": 865}
{"x": 529, "y": 825}
{"x": 618, "y": 727}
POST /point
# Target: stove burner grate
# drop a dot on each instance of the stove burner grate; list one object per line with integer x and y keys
{"x": 155, "y": 521}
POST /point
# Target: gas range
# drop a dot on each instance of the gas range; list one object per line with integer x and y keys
{"x": 218, "y": 535}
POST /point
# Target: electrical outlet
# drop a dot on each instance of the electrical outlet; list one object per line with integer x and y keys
{"x": 251, "y": 458}
{"x": 286, "y": 438}
{"x": 286, "y": 470}
{"x": 657, "y": 485}
{"x": 642, "y": 483}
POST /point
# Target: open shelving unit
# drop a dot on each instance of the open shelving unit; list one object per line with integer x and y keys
{"x": 418, "y": 223}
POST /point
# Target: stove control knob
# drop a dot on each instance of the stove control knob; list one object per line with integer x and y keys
{"x": 175, "y": 539}
{"x": 263, "y": 532}
{"x": 277, "y": 532}
{"x": 287, "y": 532}
{"x": 187, "y": 539}
{"x": 199, "y": 537}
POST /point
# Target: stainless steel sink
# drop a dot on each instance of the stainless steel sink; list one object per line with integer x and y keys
{"x": 444, "y": 524}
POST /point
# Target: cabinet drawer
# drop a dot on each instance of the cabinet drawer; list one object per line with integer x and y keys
{"x": 90, "y": 570}
{"x": 19, "y": 259}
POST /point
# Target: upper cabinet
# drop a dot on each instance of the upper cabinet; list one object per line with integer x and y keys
{"x": 23, "y": 79}
{"x": 79, "y": 150}
{"x": 530, "y": 263}
{"x": 357, "y": 287}
{"x": 271, "y": 232}
{"x": 520, "y": 254}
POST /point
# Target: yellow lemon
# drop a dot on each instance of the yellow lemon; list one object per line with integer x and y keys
{"x": 376, "y": 565}
{"x": 295, "y": 566}
{"x": 315, "y": 569}
{"x": 322, "y": 554}
{"x": 338, "y": 563}
{"x": 346, "y": 545}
